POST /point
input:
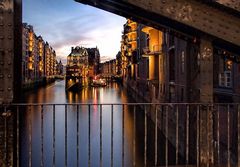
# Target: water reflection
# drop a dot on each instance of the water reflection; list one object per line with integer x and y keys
{"x": 76, "y": 115}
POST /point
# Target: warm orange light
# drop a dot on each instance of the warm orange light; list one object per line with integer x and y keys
{"x": 30, "y": 66}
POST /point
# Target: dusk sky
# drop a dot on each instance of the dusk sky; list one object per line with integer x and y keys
{"x": 66, "y": 23}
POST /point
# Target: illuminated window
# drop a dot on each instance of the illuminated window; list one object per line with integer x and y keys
{"x": 228, "y": 65}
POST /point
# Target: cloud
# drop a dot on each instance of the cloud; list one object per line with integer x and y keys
{"x": 66, "y": 23}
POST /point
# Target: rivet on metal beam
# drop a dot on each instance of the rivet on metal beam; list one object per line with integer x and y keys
{"x": 1, "y": 37}
{"x": 9, "y": 76}
{"x": 1, "y": 76}
{"x": 9, "y": 89}
{"x": 9, "y": 24}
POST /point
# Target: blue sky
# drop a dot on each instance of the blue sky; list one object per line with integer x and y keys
{"x": 66, "y": 23}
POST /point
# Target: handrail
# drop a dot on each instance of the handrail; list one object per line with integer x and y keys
{"x": 33, "y": 104}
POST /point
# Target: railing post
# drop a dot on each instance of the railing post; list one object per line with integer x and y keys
{"x": 100, "y": 135}
{"x": 145, "y": 135}
{"x": 42, "y": 132}
{"x": 30, "y": 136}
{"x": 228, "y": 137}
{"x": 156, "y": 136}
{"x": 77, "y": 135}
{"x": 54, "y": 137}
{"x": 89, "y": 135}
{"x": 134, "y": 136}
{"x": 187, "y": 135}
{"x": 112, "y": 135}
{"x": 18, "y": 150}
{"x": 166, "y": 133}
{"x": 123, "y": 135}
{"x": 238, "y": 111}
{"x": 177, "y": 131}
{"x": 66, "y": 149}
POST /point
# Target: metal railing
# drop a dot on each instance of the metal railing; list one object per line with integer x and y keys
{"x": 155, "y": 49}
{"x": 160, "y": 134}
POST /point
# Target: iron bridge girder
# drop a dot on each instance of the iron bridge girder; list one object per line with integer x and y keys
{"x": 190, "y": 17}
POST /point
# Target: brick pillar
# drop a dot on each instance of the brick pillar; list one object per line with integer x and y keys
{"x": 206, "y": 96}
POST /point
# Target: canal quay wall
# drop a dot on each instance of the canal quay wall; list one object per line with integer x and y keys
{"x": 38, "y": 83}
{"x": 143, "y": 94}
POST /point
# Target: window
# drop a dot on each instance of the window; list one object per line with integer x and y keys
{"x": 225, "y": 79}
{"x": 182, "y": 61}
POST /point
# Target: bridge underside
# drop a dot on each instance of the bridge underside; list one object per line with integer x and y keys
{"x": 187, "y": 17}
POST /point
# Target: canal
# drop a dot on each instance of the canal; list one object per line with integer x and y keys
{"x": 70, "y": 135}
{"x": 49, "y": 148}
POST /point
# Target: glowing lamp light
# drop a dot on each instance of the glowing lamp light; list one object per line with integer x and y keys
{"x": 229, "y": 64}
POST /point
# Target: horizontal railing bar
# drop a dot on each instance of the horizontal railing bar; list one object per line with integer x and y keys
{"x": 120, "y": 104}
{"x": 73, "y": 104}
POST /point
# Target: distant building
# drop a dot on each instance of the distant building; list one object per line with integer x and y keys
{"x": 77, "y": 65}
{"x": 38, "y": 60}
{"x": 108, "y": 68}
{"x": 59, "y": 68}
{"x": 119, "y": 64}
{"x": 50, "y": 61}
{"x": 93, "y": 61}
{"x": 32, "y": 62}
{"x": 40, "y": 54}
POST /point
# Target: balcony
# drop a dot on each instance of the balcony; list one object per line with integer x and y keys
{"x": 131, "y": 31}
{"x": 155, "y": 50}
{"x": 132, "y": 40}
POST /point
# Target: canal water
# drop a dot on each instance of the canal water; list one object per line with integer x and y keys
{"x": 34, "y": 151}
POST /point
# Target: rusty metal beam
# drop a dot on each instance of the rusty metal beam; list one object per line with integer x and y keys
{"x": 6, "y": 50}
{"x": 10, "y": 49}
{"x": 191, "y": 17}
{"x": 232, "y": 4}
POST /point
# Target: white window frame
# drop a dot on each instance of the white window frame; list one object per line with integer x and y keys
{"x": 225, "y": 79}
